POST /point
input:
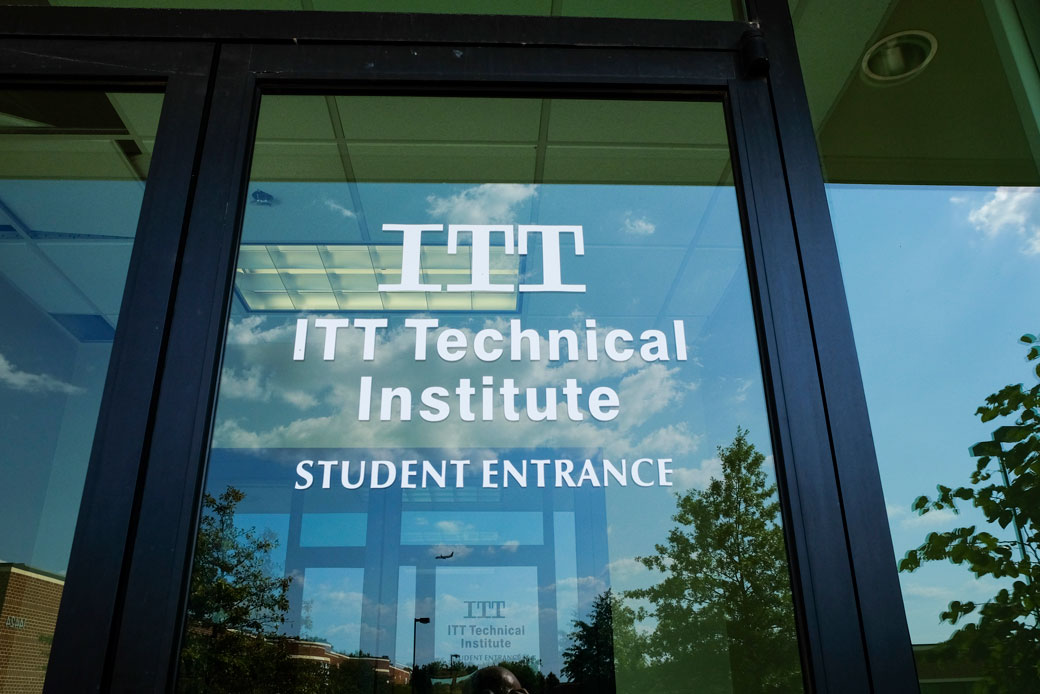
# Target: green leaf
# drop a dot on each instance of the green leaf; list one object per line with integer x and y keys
{"x": 985, "y": 448}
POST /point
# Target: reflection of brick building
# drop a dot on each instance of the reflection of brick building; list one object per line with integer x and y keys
{"x": 323, "y": 653}
{"x": 29, "y": 600}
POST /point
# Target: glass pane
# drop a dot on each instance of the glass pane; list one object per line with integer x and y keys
{"x": 491, "y": 397}
{"x": 72, "y": 172}
{"x": 930, "y": 152}
{"x": 644, "y": 9}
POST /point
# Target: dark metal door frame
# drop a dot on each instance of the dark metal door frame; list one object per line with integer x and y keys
{"x": 92, "y": 601}
{"x": 120, "y": 623}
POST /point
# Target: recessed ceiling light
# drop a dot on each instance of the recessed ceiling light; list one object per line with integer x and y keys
{"x": 898, "y": 57}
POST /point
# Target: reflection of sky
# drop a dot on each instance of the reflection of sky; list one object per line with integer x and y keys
{"x": 940, "y": 283}
{"x": 471, "y": 528}
{"x": 333, "y": 598}
{"x": 652, "y": 253}
{"x": 566, "y": 574}
{"x": 52, "y": 262}
{"x": 333, "y": 529}
{"x": 406, "y": 613}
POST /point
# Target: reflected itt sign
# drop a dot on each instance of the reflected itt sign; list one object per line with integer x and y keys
{"x": 487, "y": 398}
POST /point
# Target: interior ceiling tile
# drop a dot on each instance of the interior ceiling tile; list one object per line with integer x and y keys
{"x": 294, "y": 117}
{"x": 832, "y": 37}
{"x": 100, "y": 208}
{"x": 443, "y": 163}
{"x": 633, "y": 165}
{"x": 139, "y": 111}
{"x": 63, "y": 157}
{"x": 297, "y": 161}
{"x": 637, "y": 123}
{"x": 445, "y": 119}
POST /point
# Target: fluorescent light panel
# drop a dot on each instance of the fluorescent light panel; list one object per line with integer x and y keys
{"x": 275, "y": 277}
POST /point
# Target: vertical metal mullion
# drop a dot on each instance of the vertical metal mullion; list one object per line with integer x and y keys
{"x": 155, "y": 597}
{"x": 104, "y": 530}
{"x": 885, "y": 632}
{"x": 832, "y": 645}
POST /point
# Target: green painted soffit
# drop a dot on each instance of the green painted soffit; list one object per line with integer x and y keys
{"x": 629, "y": 9}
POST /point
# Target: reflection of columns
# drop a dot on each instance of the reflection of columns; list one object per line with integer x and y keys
{"x": 590, "y": 521}
{"x": 294, "y": 567}
{"x": 548, "y": 638}
{"x": 382, "y": 549}
{"x": 425, "y": 606}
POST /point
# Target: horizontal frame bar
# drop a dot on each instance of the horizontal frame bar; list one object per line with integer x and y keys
{"x": 367, "y": 27}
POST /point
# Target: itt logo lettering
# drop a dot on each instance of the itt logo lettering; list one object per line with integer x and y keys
{"x": 488, "y": 609}
{"x": 480, "y": 259}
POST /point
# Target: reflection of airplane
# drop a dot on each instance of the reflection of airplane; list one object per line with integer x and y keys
{"x": 445, "y": 556}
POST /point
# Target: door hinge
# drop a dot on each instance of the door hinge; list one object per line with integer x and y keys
{"x": 753, "y": 53}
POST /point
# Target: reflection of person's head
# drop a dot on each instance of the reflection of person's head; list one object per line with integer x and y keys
{"x": 495, "y": 680}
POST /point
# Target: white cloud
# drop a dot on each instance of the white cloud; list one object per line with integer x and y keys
{"x": 336, "y": 207}
{"x": 243, "y": 384}
{"x": 1010, "y": 208}
{"x": 625, "y": 569}
{"x": 1032, "y": 246}
{"x": 591, "y": 584}
{"x": 299, "y": 399}
{"x": 251, "y": 331}
{"x": 251, "y": 384}
{"x": 341, "y": 597}
{"x": 645, "y": 390}
{"x": 699, "y": 477}
{"x": 673, "y": 439}
{"x": 927, "y": 591}
{"x": 452, "y": 527}
{"x": 744, "y": 385}
{"x": 650, "y": 390}
{"x": 637, "y": 226}
{"x": 12, "y": 377}
{"x": 489, "y": 203}
{"x": 895, "y": 512}
{"x": 933, "y": 519}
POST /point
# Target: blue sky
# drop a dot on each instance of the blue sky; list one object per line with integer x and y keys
{"x": 941, "y": 282}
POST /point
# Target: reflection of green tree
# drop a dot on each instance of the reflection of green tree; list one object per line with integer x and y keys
{"x": 232, "y": 586}
{"x": 236, "y": 605}
{"x": 605, "y": 647}
{"x": 723, "y": 613}
{"x": 1005, "y": 487}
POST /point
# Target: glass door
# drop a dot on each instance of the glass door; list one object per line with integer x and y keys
{"x": 491, "y": 397}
